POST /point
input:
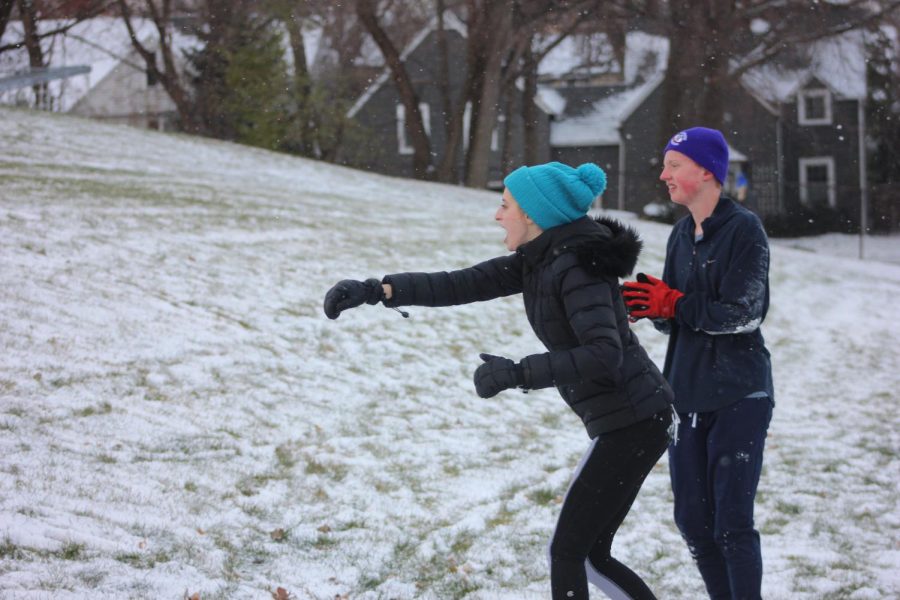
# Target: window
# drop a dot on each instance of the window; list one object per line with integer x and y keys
{"x": 814, "y": 107}
{"x": 467, "y": 129}
{"x": 403, "y": 144}
{"x": 817, "y": 185}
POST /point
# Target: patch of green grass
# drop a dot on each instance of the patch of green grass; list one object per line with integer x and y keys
{"x": 551, "y": 419}
{"x": 106, "y": 459}
{"x": 72, "y": 551}
{"x": 773, "y": 525}
{"x": 504, "y": 516}
{"x": 9, "y": 550}
{"x": 542, "y": 496}
{"x": 462, "y": 542}
{"x": 143, "y": 560}
{"x": 452, "y": 470}
{"x": 336, "y": 472}
{"x": 285, "y": 456}
{"x": 324, "y": 541}
{"x": 788, "y": 508}
{"x": 190, "y": 486}
{"x": 250, "y": 485}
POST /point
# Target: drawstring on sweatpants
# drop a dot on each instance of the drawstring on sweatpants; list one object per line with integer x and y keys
{"x": 694, "y": 420}
{"x": 673, "y": 427}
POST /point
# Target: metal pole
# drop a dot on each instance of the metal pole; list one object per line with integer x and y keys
{"x": 621, "y": 195}
{"x": 863, "y": 183}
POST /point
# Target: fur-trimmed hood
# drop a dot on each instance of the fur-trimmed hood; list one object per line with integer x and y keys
{"x": 617, "y": 254}
{"x": 604, "y": 245}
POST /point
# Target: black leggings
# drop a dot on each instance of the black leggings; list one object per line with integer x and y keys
{"x": 605, "y": 485}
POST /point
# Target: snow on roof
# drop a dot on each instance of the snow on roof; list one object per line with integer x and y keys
{"x": 575, "y": 51}
{"x": 645, "y": 55}
{"x": 451, "y": 22}
{"x": 645, "y": 63}
{"x": 101, "y": 43}
{"x": 838, "y": 62}
{"x": 552, "y": 99}
{"x": 600, "y": 125}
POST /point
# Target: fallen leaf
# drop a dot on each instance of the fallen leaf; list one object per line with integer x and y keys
{"x": 282, "y": 594}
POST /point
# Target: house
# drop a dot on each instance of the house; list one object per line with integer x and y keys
{"x": 386, "y": 148}
{"x": 794, "y": 127}
{"x": 794, "y": 124}
{"x": 116, "y": 89}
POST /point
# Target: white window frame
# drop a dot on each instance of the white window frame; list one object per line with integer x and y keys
{"x": 403, "y": 145}
{"x": 495, "y": 134}
{"x": 817, "y": 161}
{"x": 467, "y": 128}
{"x": 801, "y": 106}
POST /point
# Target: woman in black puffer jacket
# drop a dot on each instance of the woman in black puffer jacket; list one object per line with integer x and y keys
{"x": 566, "y": 266}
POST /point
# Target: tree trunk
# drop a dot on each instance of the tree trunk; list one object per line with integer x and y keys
{"x": 168, "y": 76}
{"x": 507, "y": 153}
{"x": 530, "y": 131}
{"x": 302, "y": 82}
{"x": 700, "y": 42}
{"x": 415, "y": 128}
{"x": 495, "y": 29}
{"x": 28, "y": 13}
{"x": 447, "y": 171}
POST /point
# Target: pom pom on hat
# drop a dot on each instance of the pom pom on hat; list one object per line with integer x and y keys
{"x": 706, "y": 147}
{"x": 554, "y": 194}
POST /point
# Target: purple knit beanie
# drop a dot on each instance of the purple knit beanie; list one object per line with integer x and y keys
{"x": 704, "y": 146}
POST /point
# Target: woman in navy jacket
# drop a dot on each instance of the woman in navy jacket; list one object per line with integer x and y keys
{"x": 566, "y": 266}
{"x": 712, "y": 299}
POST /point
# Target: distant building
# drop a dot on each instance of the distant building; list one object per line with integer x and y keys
{"x": 118, "y": 87}
{"x": 793, "y": 126}
{"x": 380, "y": 110}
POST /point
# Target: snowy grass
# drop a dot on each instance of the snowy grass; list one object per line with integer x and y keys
{"x": 177, "y": 416}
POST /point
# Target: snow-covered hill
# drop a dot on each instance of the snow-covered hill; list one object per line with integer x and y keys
{"x": 177, "y": 416}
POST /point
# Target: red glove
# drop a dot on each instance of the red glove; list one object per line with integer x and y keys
{"x": 649, "y": 297}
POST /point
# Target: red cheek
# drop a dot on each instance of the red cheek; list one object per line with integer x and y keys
{"x": 688, "y": 187}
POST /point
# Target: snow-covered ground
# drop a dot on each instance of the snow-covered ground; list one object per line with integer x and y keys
{"x": 877, "y": 247}
{"x": 177, "y": 416}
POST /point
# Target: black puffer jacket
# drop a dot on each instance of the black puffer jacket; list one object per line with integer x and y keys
{"x": 568, "y": 277}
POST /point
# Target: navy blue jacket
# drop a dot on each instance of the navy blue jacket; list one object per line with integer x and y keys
{"x": 568, "y": 278}
{"x": 716, "y": 352}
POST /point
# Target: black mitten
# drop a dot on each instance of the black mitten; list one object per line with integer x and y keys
{"x": 350, "y": 293}
{"x": 497, "y": 374}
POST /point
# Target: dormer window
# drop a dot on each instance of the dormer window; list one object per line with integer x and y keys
{"x": 814, "y": 107}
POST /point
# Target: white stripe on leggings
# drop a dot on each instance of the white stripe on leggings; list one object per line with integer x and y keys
{"x": 603, "y": 583}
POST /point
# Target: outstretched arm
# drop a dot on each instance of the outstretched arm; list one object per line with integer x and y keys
{"x": 485, "y": 281}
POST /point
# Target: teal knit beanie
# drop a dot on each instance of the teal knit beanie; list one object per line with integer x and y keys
{"x": 554, "y": 194}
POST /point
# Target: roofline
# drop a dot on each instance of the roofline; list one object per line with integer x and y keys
{"x": 756, "y": 96}
{"x": 649, "y": 87}
{"x": 807, "y": 77}
{"x": 451, "y": 21}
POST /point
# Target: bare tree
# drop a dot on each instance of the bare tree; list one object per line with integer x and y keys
{"x": 415, "y": 128}
{"x": 34, "y": 12}
{"x": 168, "y": 75}
{"x": 709, "y": 50}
